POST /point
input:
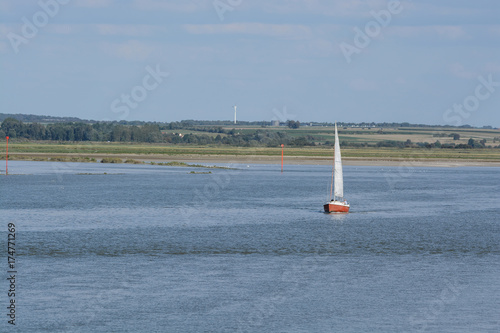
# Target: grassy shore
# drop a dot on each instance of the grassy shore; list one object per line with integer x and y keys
{"x": 121, "y": 152}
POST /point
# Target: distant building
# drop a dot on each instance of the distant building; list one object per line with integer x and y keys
{"x": 275, "y": 123}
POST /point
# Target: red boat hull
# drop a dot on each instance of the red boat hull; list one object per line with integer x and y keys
{"x": 336, "y": 208}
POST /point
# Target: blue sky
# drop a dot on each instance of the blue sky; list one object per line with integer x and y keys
{"x": 433, "y": 62}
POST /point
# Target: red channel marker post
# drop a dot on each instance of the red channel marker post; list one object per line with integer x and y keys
{"x": 282, "y": 147}
{"x": 7, "y": 158}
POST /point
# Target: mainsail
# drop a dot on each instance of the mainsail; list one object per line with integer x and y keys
{"x": 337, "y": 167}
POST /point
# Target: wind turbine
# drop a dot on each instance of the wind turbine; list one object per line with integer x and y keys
{"x": 234, "y": 106}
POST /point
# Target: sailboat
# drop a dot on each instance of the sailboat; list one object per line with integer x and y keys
{"x": 337, "y": 203}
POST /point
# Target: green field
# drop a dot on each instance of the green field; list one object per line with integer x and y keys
{"x": 88, "y": 150}
{"x": 91, "y": 150}
{"x": 373, "y": 135}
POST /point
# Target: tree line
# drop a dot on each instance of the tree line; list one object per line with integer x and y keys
{"x": 170, "y": 133}
{"x": 147, "y": 132}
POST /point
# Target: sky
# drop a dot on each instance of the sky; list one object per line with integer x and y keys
{"x": 430, "y": 61}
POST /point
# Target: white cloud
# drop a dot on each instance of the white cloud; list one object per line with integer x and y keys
{"x": 492, "y": 67}
{"x": 130, "y": 50}
{"x": 63, "y": 29}
{"x": 287, "y": 31}
{"x": 495, "y": 29}
{"x": 94, "y": 3}
{"x": 446, "y": 10}
{"x": 173, "y": 5}
{"x": 458, "y": 70}
{"x": 336, "y": 8}
{"x": 3, "y": 47}
{"x": 400, "y": 81}
{"x": 127, "y": 29}
{"x": 451, "y": 32}
{"x": 322, "y": 48}
{"x": 4, "y": 5}
{"x": 363, "y": 84}
{"x": 131, "y": 30}
{"x": 5, "y": 29}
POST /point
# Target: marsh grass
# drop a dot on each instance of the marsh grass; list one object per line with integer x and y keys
{"x": 111, "y": 160}
{"x": 94, "y": 174}
{"x": 182, "y": 164}
{"x": 81, "y": 159}
{"x": 131, "y": 161}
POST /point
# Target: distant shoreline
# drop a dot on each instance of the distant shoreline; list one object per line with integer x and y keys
{"x": 264, "y": 159}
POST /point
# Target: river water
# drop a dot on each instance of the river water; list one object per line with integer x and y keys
{"x": 142, "y": 248}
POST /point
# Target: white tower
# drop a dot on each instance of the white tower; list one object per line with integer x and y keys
{"x": 234, "y": 114}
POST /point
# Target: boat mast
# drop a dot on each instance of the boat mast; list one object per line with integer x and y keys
{"x": 331, "y": 185}
{"x": 333, "y": 170}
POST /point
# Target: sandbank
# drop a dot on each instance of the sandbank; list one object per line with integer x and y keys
{"x": 265, "y": 159}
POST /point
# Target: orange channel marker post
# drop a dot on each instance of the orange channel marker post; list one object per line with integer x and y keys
{"x": 282, "y": 147}
{"x": 7, "y": 158}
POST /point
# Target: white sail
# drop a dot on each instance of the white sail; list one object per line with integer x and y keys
{"x": 338, "y": 177}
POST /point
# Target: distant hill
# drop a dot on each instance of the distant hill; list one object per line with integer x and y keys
{"x": 31, "y": 118}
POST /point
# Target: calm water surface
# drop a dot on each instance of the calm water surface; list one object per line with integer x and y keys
{"x": 155, "y": 249}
